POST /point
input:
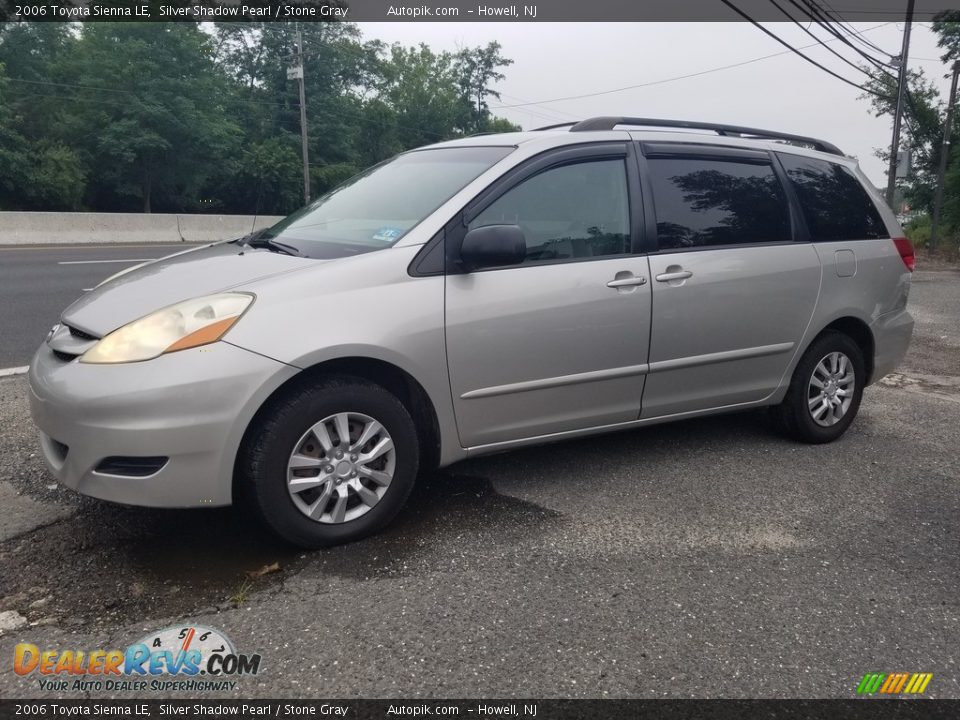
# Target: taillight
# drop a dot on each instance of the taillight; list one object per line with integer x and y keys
{"x": 905, "y": 248}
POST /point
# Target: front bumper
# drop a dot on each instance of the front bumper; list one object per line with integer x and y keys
{"x": 191, "y": 407}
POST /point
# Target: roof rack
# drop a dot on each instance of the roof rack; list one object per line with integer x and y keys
{"x": 609, "y": 123}
{"x": 558, "y": 125}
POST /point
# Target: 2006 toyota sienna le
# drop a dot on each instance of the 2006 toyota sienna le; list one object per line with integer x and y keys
{"x": 474, "y": 296}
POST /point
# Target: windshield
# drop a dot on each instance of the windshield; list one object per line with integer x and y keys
{"x": 376, "y": 208}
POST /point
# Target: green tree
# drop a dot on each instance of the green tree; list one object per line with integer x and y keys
{"x": 947, "y": 27}
{"x": 13, "y": 152}
{"x": 421, "y": 87}
{"x": 922, "y": 129}
{"x": 186, "y": 117}
{"x": 501, "y": 125}
{"x": 262, "y": 178}
{"x": 156, "y": 126}
{"x": 56, "y": 177}
{"x": 38, "y": 168}
{"x": 338, "y": 73}
{"x": 478, "y": 69}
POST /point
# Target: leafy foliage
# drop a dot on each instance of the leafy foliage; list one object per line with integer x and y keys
{"x": 922, "y": 129}
{"x": 182, "y": 118}
{"x": 924, "y": 118}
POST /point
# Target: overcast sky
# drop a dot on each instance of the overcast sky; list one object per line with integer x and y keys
{"x": 554, "y": 60}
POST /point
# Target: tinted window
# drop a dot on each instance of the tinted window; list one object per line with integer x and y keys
{"x": 374, "y": 209}
{"x": 702, "y": 202}
{"x": 572, "y": 211}
{"x": 835, "y": 204}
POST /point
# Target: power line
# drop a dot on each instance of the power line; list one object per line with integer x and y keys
{"x": 883, "y": 68}
{"x": 313, "y": 49}
{"x": 822, "y": 18}
{"x": 812, "y": 4}
{"x": 672, "y": 79}
{"x": 817, "y": 14}
{"x": 116, "y": 90}
{"x": 811, "y": 34}
{"x": 291, "y": 106}
{"x": 67, "y": 85}
{"x": 831, "y": 12}
{"x": 99, "y": 101}
{"x": 810, "y": 60}
{"x": 554, "y": 113}
{"x": 815, "y": 8}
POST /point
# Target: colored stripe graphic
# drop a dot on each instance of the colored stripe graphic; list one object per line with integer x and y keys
{"x": 871, "y": 683}
{"x": 918, "y": 683}
{"x": 894, "y": 683}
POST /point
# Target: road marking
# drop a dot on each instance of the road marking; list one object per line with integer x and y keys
{"x": 85, "y": 289}
{"x": 96, "y": 262}
{"x": 14, "y": 371}
{"x": 93, "y": 246}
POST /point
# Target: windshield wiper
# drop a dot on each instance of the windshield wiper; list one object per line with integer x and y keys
{"x": 276, "y": 245}
{"x": 255, "y": 240}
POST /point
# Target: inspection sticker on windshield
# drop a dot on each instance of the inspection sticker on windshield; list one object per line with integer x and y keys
{"x": 387, "y": 234}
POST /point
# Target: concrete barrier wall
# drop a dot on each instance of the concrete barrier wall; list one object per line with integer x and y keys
{"x": 56, "y": 228}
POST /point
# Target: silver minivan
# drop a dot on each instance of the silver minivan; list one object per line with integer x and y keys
{"x": 475, "y": 296}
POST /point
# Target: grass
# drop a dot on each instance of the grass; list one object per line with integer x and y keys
{"x": 242, "y": 593}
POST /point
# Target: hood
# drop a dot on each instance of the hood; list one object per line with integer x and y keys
{"x": 169, "y": 280}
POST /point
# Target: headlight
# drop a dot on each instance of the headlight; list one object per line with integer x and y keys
{"x": 185, "y": 325}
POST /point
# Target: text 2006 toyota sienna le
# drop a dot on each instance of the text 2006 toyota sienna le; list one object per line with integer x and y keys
{"x": 475, "y": 296}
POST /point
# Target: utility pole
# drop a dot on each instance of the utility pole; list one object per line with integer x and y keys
{"x": 298, "y": 73}
{"x": 944, "y": 156}
{"x": 901, "y": 91}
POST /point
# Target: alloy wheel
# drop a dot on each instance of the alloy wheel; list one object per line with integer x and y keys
{"x": 341, "y": 468}
{"x": 831, "y": 388}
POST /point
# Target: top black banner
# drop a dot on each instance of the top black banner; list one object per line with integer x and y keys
{"x": 463, "y": 10}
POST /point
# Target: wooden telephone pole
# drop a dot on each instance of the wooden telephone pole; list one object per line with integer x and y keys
{"x": 898, "y": 113}
{"x": 297, "y": 72}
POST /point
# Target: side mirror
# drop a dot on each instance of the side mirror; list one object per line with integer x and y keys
{"x": 493, "y": 246}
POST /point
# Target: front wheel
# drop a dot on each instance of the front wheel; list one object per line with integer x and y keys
{"x": 825, "y": 390}
{"x": 330, "y": 462}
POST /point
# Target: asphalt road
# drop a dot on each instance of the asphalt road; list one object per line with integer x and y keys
{"x": 37, "y": 284}
{"x": 708, "y": 558}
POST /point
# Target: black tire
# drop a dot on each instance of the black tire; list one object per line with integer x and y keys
{"x": 262, "y": 463}
{"x": 793, "y": 415}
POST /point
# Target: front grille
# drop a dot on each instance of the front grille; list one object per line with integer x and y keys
{"x": 77, "y": 333}
{"x": 131, "y": 466}
{"x": 64, "y": 356}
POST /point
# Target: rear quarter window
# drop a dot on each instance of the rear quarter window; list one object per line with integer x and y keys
{"x": 834, "y": 203}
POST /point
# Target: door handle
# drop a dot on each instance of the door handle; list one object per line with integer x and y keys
{"x": 627, "y": 282}
{"x": 675, "y": 275}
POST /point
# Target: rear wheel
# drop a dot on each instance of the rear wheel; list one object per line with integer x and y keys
{"x": 825, "y": 390}
{"x": 330, "y": 463}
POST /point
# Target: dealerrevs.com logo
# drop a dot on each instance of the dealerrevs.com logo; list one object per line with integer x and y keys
{"x": 189, "y": 659}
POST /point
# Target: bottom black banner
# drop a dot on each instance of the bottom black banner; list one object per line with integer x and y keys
{"x": 486, "y": 709}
